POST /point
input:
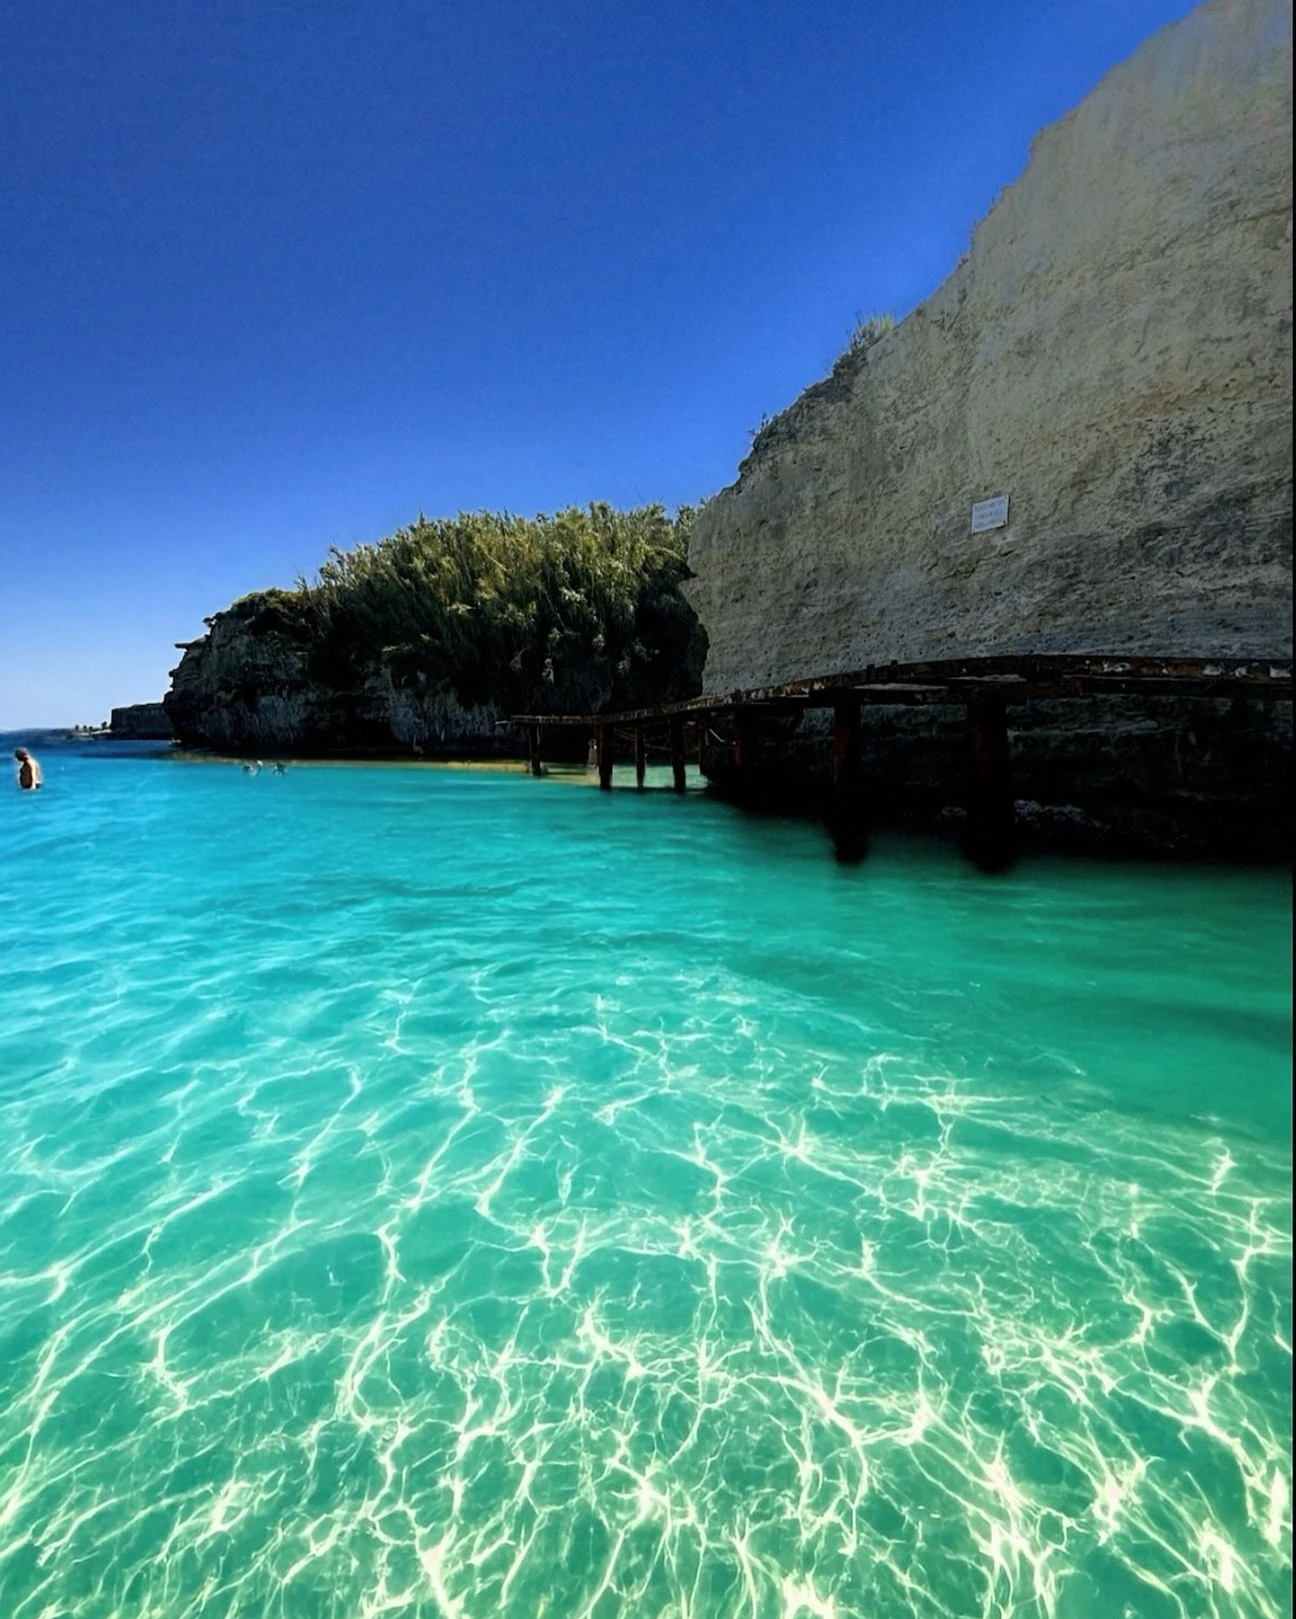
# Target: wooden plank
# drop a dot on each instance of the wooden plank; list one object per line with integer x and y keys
{"x": 537, "y": 768}
{"x": 641, "y": 756}
{"x": 604, "y": 744}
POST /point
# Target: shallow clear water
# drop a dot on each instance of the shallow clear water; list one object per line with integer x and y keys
{"x": 447, "y": 1193}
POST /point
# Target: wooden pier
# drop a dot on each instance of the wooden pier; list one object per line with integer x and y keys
{"x": 985, "y": 687}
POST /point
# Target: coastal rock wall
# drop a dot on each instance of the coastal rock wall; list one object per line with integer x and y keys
{"x": 1114, "y": 354}
{"x": 234, "y": 688}
{"x": 141, "y": 722}
{"x": 245, "y": 689}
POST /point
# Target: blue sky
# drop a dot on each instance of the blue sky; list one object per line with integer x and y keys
{"x": 277, "y": 274}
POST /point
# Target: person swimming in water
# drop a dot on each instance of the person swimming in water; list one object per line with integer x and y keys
{"x": 29, "y": 772}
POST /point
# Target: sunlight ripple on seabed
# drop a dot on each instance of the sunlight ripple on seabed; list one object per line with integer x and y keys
{"x": 352, "y": 1266}
{"x": 907, "y": 1346}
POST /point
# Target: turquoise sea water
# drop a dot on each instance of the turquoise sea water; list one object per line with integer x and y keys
{"x": 450, "y": 1194}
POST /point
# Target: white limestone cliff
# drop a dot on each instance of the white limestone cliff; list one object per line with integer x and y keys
{"x": 1114, "y": 354}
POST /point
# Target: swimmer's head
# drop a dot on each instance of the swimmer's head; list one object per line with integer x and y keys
{"x": 21, "y": 753}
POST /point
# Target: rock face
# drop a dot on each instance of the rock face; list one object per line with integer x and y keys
{"x": 1114, "y": 354}
{"x": 141, "y": 722}
{"x": 248, "y": 687}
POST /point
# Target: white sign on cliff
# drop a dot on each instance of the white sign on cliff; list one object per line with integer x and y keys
{"x": 992, "y": 513}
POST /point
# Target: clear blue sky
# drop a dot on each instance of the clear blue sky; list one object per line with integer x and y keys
{"x": 277, "y": 274}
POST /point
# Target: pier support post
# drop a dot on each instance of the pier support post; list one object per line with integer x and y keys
{"x": 677, "y": 752}
{"x": 537, "y": 769}
{"x": 744, "y": 744}
{"x": 603, "y": 739}
{"x": 641, "y": 755}
{"x": 846, "y": 814}
{"x": 992, "y": 828}
{"x": 744, "y": 752}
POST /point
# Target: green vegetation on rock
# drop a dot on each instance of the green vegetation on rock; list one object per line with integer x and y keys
{"x": 448, "y": 624}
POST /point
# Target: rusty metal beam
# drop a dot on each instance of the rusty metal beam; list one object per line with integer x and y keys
{"x": 1015, "y": 678}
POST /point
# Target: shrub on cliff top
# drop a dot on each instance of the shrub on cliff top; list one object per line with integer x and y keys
{"x": 866, "y": 331}
{"x": 577, "y": 611}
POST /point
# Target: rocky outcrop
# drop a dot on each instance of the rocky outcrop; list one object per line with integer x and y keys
{"x": 424, "y": 640}
{"x": 1114, "y": 354}
{"x": 141, "y": 722}
{"x": 252, "y": 685}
